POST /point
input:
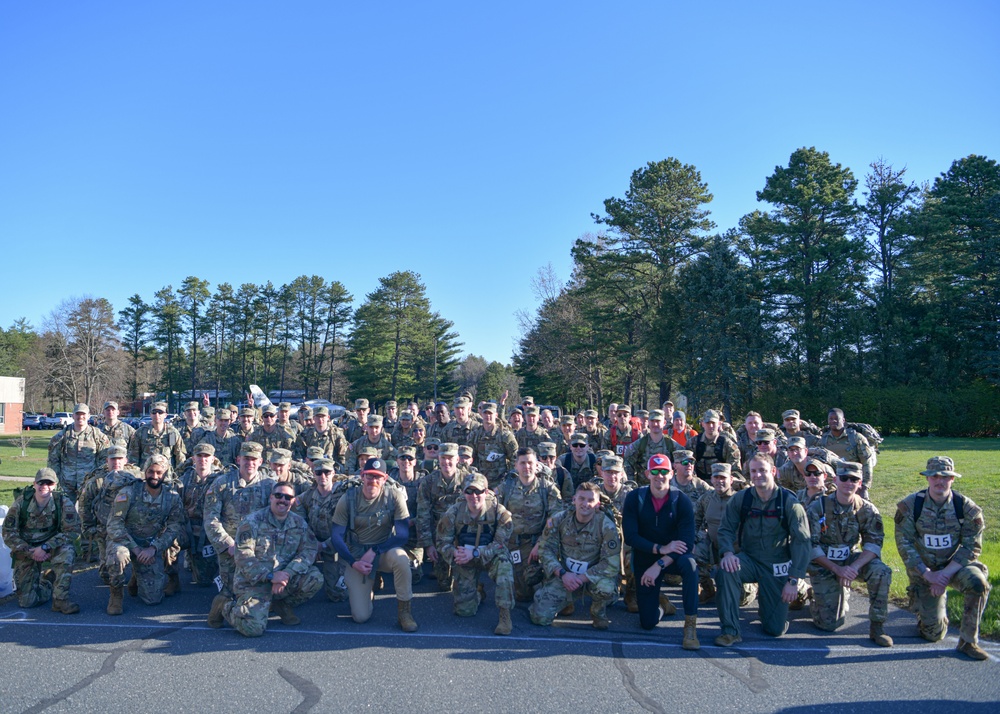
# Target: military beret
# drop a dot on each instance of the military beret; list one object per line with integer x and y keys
{"x": 313, "y": 453}
{"x": 449, "y": 448}
{"x": 612, "y": 463}
{"x": 269, "y": 409}
{"x": 46, "y": 474}
{"x": 941, "y": 465}
{"x": 476, "y": 480}
{"x": 546, "y": 448}
{"x": 251, "y": 448}
{"x": 203, "y": 448}
{"x": 117, "y": 452}
{"x": 280, "y": 456}
{"x": 361, "y": 403}
{"x": 790, "y": 413}
{"x": 655, "y": 414}
{"x": 711, "y": 415}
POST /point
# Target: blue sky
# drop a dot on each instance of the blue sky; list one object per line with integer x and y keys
{"x": 469, "y": 142}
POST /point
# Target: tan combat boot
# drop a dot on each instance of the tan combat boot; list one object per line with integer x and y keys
{"x": 282, "y": 609}
{"x": 215, "y": 618}
{"x": 66, "y": 607}
{"x": 878, "y": 636}
{"x": 173, "y": 585}
{"x": 972, "y": 650}
{"x": 115, "y": 601}
{"x": 667, "y": 607}
{"x": 504, "y": 625}
{"x": 568, "y": 610}
{"x": 406, "y": 621}
{"x": 599, "y": 618}
{"x": 690, "y": 641}
{"x": 631, "y": 602}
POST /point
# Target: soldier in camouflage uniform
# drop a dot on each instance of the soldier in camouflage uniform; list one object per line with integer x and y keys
{"x": 317, "y": 506}
{"x": 40, "y": 529}
{"x": 495, "y": 448}
{"x": 274, "y": 554}
{"x": 551, "y": 469}
{"x": 96, "y": 498}
{"x": 117, "y": 431}
{"x": 615, "y": 486}
{"x": 622, "y": 432}
{"x": 746, "y": 435}
{"x": 711, "y": 446}
{"x": 639, "y": 452}
{"x": 820, "y": 481}
{"x": 531, "y": 434}
{"x": 323, "y": 434}
{"x": 435, "y": 495}
{"x": 407, "y": 475}
{"x": 515, "y": 420}
{"x": 792, "y": 473}
{"x": 373, "y": 438}
{"x": 531, "y": 502}
{"x": 472, "y": 535}
{"x": 594, "y": 430}
{"x": 684, "y": 479}
{"x": 224, "y": 442}
{"x": 283, "y": 469}
{"x": 235, "y": 494}
{"x": 561, "y": 434}
{"x": 849, "y": 445}
{"x": 145, "y": 521}
{"x": 245, "y": 424}
{"x": 77, "y": 450}
{"x": 157, "y": 437}
{"x": 391, "y": 417}
{"x": 284, "y": 421}
{"x": 708, "y": 515}
{"x": 437, "y": 427}
{"x": 193, "y": 484}
{"x": 355, "y": 427}
{"x": 791, "y": 426}
{"x": 847, "y": 540}
{"x": 402, "y": 433}
{"x": 765, "y": 442}
{"x": 189, "y": 426}
{"x": 459, "y": 429}
{"x": 270, "y": 435}
{"x": 580, "y": 553}
{"x": 580, "y": 462}
{"x": 939, "y": 535}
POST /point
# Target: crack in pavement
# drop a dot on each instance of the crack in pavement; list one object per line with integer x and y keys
{"x": 108, "y": 667}
{"x": 753, "y": 679}
{"x": 311, "y": 694}
{"x": 628, "y": 681}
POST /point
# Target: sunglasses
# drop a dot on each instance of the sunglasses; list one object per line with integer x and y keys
{"x": 686, "y": 462}
{"x": 158, "y": 411}
{"x": 578, "y": 446}
{"x": 270, "y": 416}
{"x": 431, "y": 447}
{"x": 659, "y": 472}
{"x": 282, "y": 496}
{"x": 475, "y": 491}
{"x": 766, "y": 441}
{"x": 406, "y": 458}
{"x": 324, "y": 471}
{"x": 852, "y": 479}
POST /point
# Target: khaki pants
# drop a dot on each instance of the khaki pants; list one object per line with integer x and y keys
{"x": 359, "y": 587}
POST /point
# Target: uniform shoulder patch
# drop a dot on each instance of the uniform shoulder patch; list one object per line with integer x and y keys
{"x": 613, "y": 544}
{"x": 122, "y": 496}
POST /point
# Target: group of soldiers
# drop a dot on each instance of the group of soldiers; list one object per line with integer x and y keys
{"x": 271, "y": 510}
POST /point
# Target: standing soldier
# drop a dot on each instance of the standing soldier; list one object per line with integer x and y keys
{"x": 373, "y": 438}
{"x": 435, "y": 495}
{"x": 792, "y": 473}
{"x": 157, "y": 437}
{"x": 765, "y": 442}
{"x": 495, "y": 448}
{"x": 560, "y": 435}
{"x": 323, "y": 434}
{"x": 225, "y": 444}
{"x": 274, "y": 554}
{"x": 580, "y": 461}
{"x": 76, "y": 451}
{"x": 594, "y": 430}
{"x": 40, "y": 530}
{"x": 391, "y": 417}
{"x": 551, "y": 469}
{"x": 459, "y": 429}
{"x": 713, "y": 447}
{"x": 472, "y": 536}
{"x": 355, "y": 428}
{"x": 116, "y": 430}
{"x": 638, "y": 453}
{"x": 623, "y": 432}
{"x": 791, "y": 425}
{"x": 145, "y": 521}
{"x": 531, "y": 502}
{"x": 190, "y": 427}
{"x": 684, "y": 479}
{"x": 193, "y": 485}
{"x": 402, "y": 433}
{"x": 849, "y": 445}
{"x": 939, "y": 535}
{"x": 847, "y": 540}
{"x": 580, "y": 554}
{"x": 270, "y": 435}
{"x": 292, "y": 426}
{"x": 531, "y": 434}
{"x": 436, "y": 428}
{"x": 317, "y": 505}
{"x": 409, "y": 477}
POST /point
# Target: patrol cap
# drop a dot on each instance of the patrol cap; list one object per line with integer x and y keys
{"x": 527, "y": 401}
{"x": 531, "y": 409}
{"x": 463, "y": 402}
{"x": 81, "y": 407}
{"x": 305, "y": 410}
{"x": 818, "y": 466}
{"x": 476, "y": 480}
{"x": 406, "y": 416}
{"x": 203, "y": 448}
{"x": 941, "y": 465}
{"x": 465, "y": 450}
{"x": 612, "y": 463}
{"x": 223, "y": 415}
{"x": 659, "y": 461}
{"x": 361, "y": 403}
{"x": 432, "y": 441}
{"x": 108, "y": 404}
{"x": 368, "y": 451}
{"x": 162, "y": 406}
{"x": 490, "y": 407}
{"x": 247, "y": 411}
{"x": 518, "y": 410}
{"x": 849, "y": 468}
{"x": 321, "y": 411}
{"x": 790, "y": 413}
{"x": 604, "y": 452}
{"x": 590, "y": 413}
{"x": 578, "y": 438}
{"x": 252, "y": 449}
{"x": 448, "y": 448}
{"x": 722, "y": 469}
{"x": 269, "y": 409}
{"x": 681, "y": 455}
{"x": 116, "y": 452}
{"x": 546, "y": 448}
{"x": 280, "y": 456}
{"x": 192, "y": 405}
{"x": 796, "y": 441}
{"x": 323, "y": 464}
{"x": 208, "y": 412}
{"x": 374, "y": 420}
{"x": 642, "y": 414}
{"x": 46, "y": 474}
{"x": 711, "y": 415}
{"x": 567, "y": 419}
{"x": 624, "y": 408}
{"x": 285, "y": 406}
{"x": 391, "y": 403}
{"x": 679, "y": 415}
{"x": 377, "y": 467}
{"x": 315, "y": 453}
{"x": 764, "y": 435}
{"x": 656, "y": 414}
{"x": 410, "y": 451}
{"x": 158, "y": 459}
{"x": 232, "y": 407}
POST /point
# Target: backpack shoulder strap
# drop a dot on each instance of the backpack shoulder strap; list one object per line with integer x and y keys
{"x": 959, "y": 501}
{"x": 918, "y": 504}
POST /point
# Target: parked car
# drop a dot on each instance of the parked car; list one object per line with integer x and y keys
{"x": 32, "y": 421}
{"x": 58, "y": 420}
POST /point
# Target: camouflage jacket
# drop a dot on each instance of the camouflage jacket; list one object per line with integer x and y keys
{"x": 146, "y": 442}
{"x": 458, "y": 433}
{"x": 229, "y": 500}
{"x": 491, "y": 530}
{"x": 120, "y": 434}
{"x": 265, "y": 545}
{"x": 332, "y": 442}
{"x": 838, "y": 530}
{"x": 493, "y": 453}
{"x": 73, "y": 455}
{"x": 435, "y": 495}
{"x": 596, "y": 544}
{"x": 28, "y": 526}
{"x": 384, "y": 446}
{"x": 98, "y": 494}
{"x": 640, "y": 451}
{"x": 226, "y": 447}
{"x": 278, "y": 438}
{"x": 531, "y": 438}
{"x": 530, "y": 506}
{"x": 937, "y": 537}
{"x": 139, "y": 520}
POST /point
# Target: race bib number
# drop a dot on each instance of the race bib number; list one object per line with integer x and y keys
{"x": 515, "y": 556}
{"x": 937, "y": 542}
{"x": 781, "y": 569}
{"x": 620, "y": 449}
{"x": 341, "y": 583}
{"x": 493, "y": 456}
{"x": 218, "y": 582}
{"x": 838, "y": 552}
{"x": 208, "y": 551}
{"x": 577, "y": 566}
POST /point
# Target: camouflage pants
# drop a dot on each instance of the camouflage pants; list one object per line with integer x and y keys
{"x": 98, "y": 544}
{"x": 416, "y": 555}
{"x": 151, "y": 578}
{"x": 227, "y": 569}
{"x": 465, "y": 584}
{"x": 204, "y": 568}
{"x": 332, "y": 569}
{"x": 553, "y": 596}
{"x": 707, "y": 556}
{"x": 442, "y": 572}
{"x": 248, "y": 613}
{"x": 32, "y": 588}
{"x": 932, "y": 617}
{"x": 773, "y": 612}
{"x": 829, "y": 605}
{"x": 360, "y": 587}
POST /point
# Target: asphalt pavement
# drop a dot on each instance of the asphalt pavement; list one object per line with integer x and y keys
{"x": 165, "y": 658}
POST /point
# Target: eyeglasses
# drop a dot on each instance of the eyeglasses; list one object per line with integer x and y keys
{"x": 323, "y": 471}
{"x": 852, "y": 479}
{"x": 659, "y": 472}
{"x": 475, "y": 491}
{"x": 578, "y": 446}
{"x": 158, "y": 411}
{"x": 282, "y": 496}
{"x": 270, "y": 416}
{"x": 431, "y": 447}
{"x": 406, "y": 458}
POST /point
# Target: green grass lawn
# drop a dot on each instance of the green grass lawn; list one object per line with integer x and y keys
{"x": 898, "y": 475}
{"x": 35, "y": 457}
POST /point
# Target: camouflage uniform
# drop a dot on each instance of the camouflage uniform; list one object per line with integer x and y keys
{"x": 489, "y": 534}
{"x": 332, "y": 442}
{"x": 932, "y": 542}
{"x": 201, "y": 553}
{"x": 228, "y": 501}
{"x": 435, "y": 495}
{"x": 190, "y": 435}
{"x": 617, "y": 507}
{"x": 139, "y": 520}
{"x": 595, "y": 438}
{"x": 26, "y": 527}
{"x": 96, "y": 498}
{"x": 531, "y": 438}
{"x": 460, "y": 434}
{"x": 293, "y": 427}
{"x": 353, "y": 430}
{"x": 639, "y": 452}
{"x": 436, "y": 430}
{"x": 277, "y": 438}
{"x": 318, "y": 510}
{"x": 695, "y": 489}
{"x": 580, "y": 473}
{"x": 383, "y": 445}
{"x": 413, "y": 549}
{"x": 227, "y": 447}
{"x": 851, "y": 446}
{"x": 722, "y": 450}
{"x": 145, "y": 442}
{"x": 400, "y": 437}
{"x": 265, "y": 545}
{"x": 530, "y": 506}
{"x": 120, "y": 434}
{"x": 841, "y": 533}
{"x": 566, "y": 545}
{"x": 73, "y": 455}
{"x": 494, "y": 453}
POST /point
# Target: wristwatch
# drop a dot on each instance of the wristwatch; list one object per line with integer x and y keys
{"x": 661, "y": 563}
{"x": 793, "y": 581}
{"x": 46, "y": 547}
{"x": 270, "y": 577}
{"x": 475, "y": 552}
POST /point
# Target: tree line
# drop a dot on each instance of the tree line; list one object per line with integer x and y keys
{"x": 886, "y": 303}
